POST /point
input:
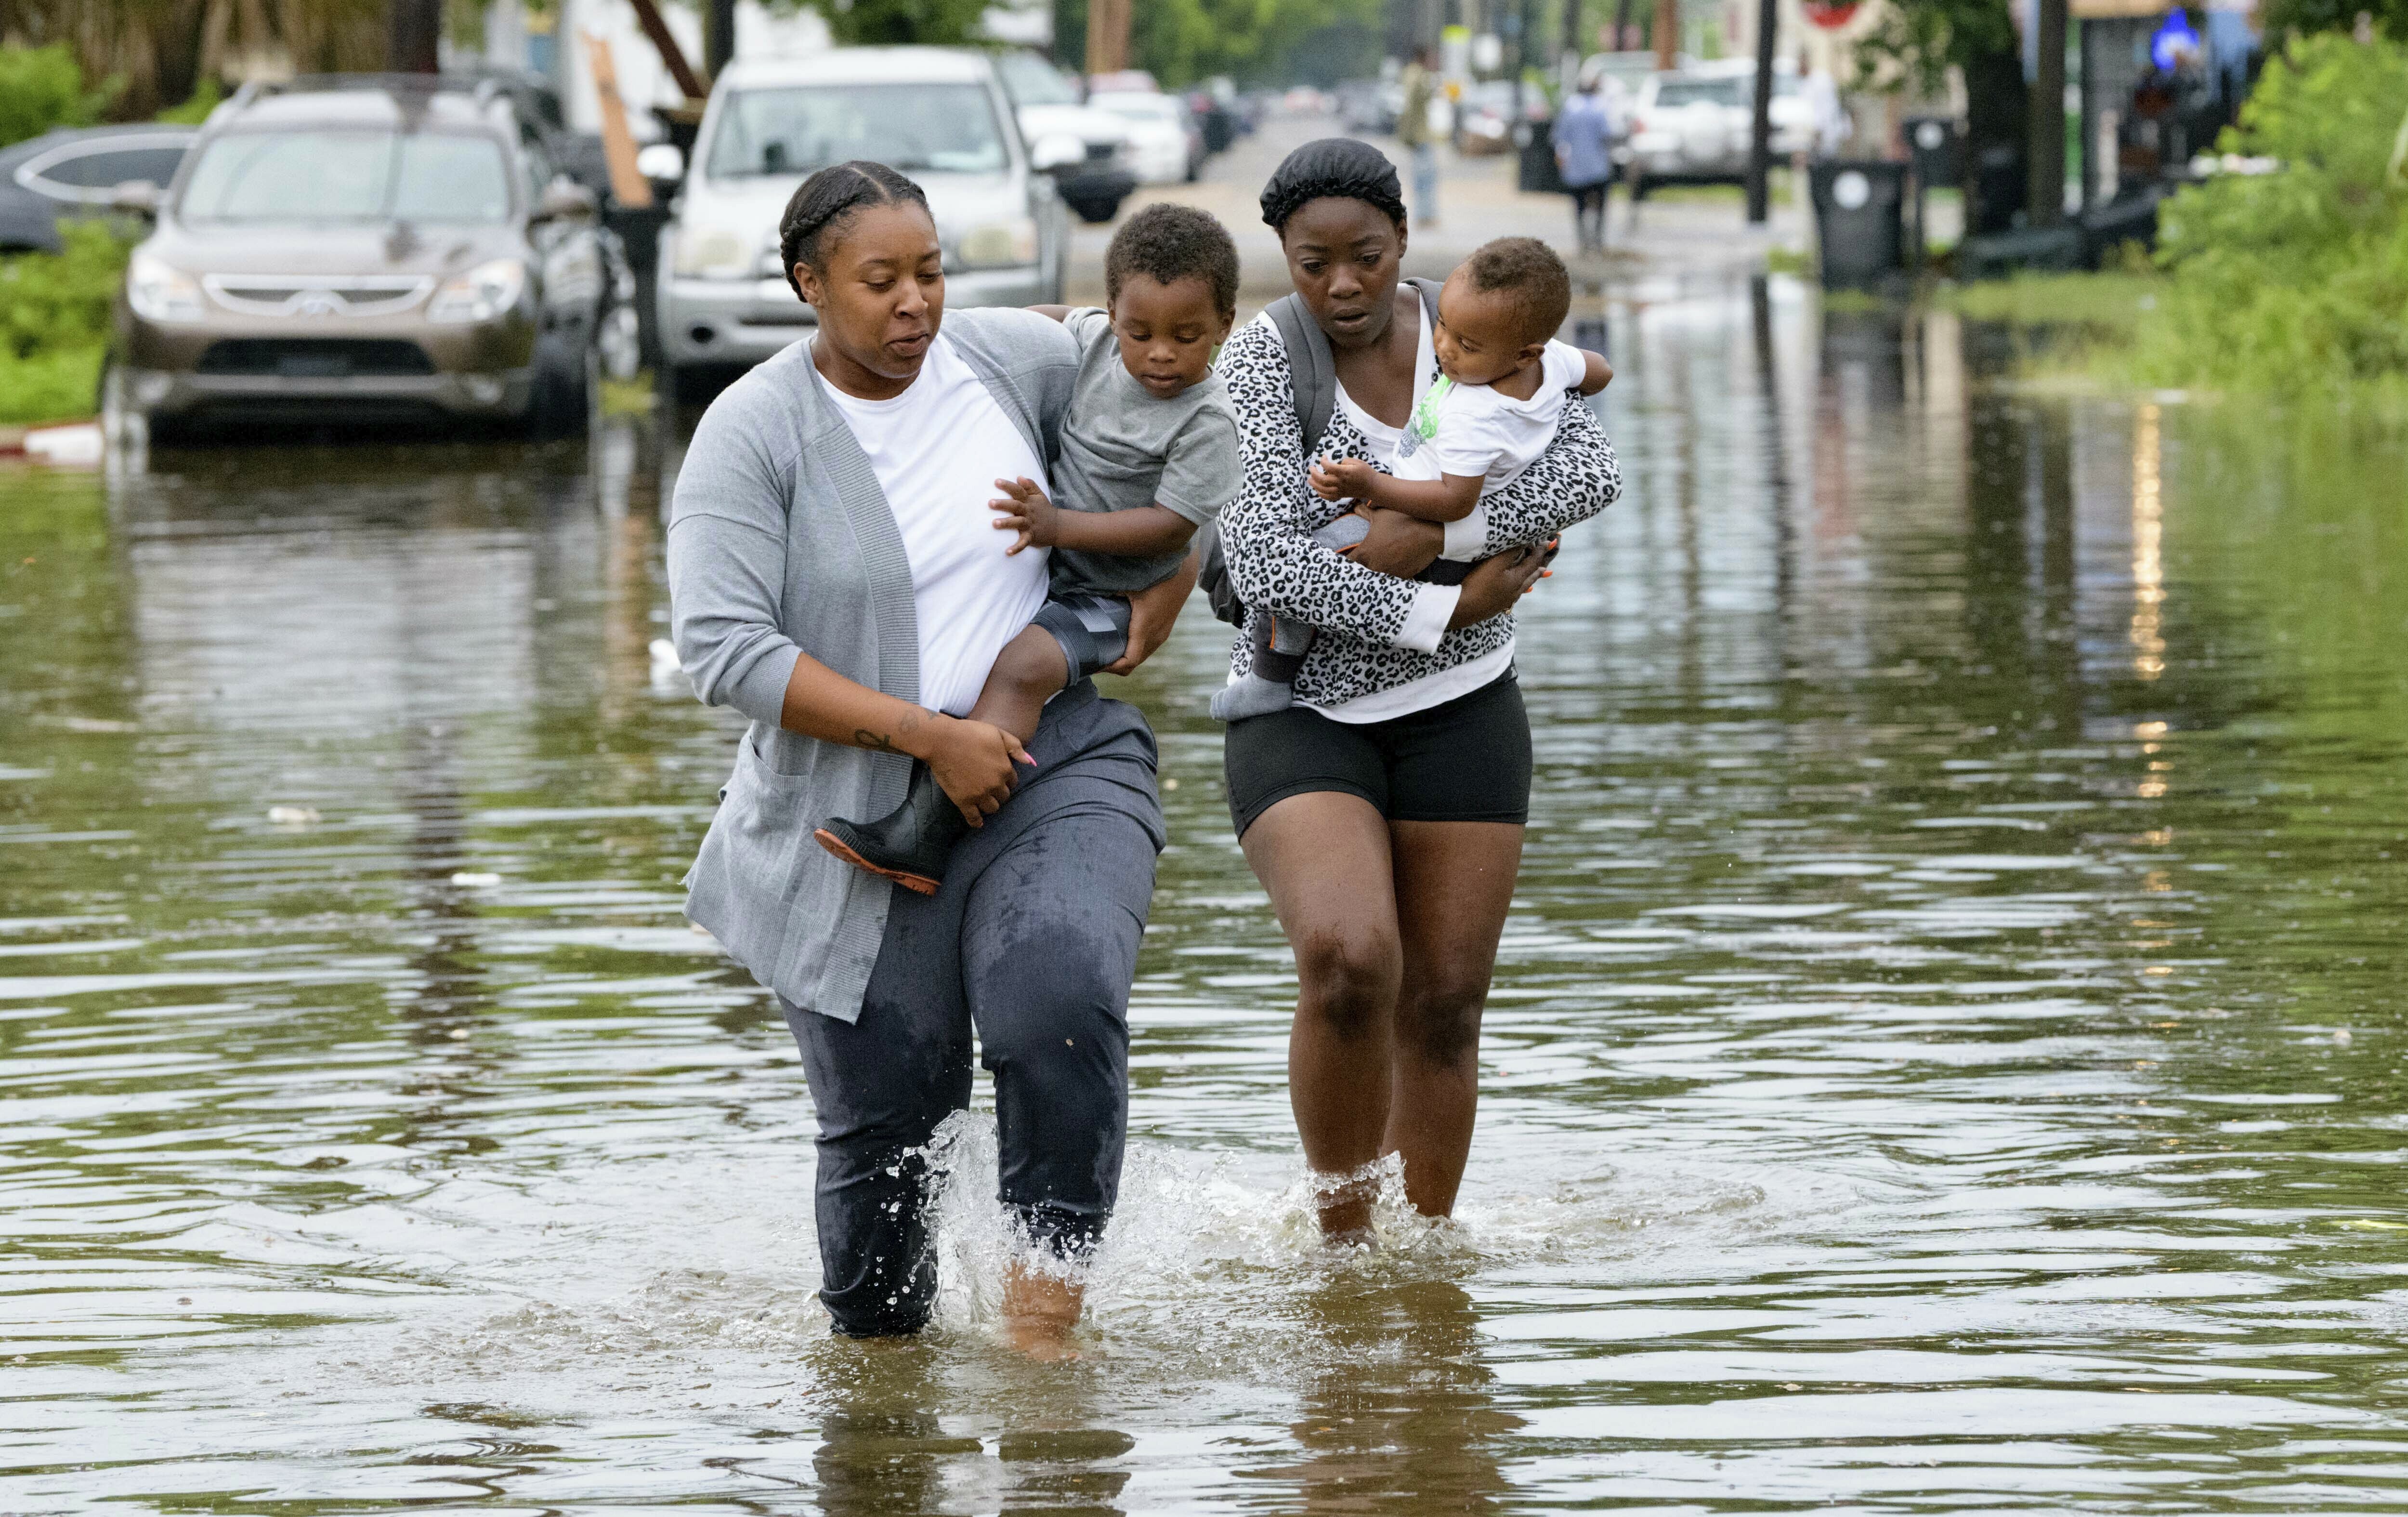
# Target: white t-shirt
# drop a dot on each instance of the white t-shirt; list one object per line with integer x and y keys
{"x": 1478, "y": 431}
{"x": 1434, "y": 605}
{"x": 938, "y": 449}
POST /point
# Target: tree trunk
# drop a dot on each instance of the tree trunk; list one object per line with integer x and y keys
{"x": 416, "y": 27}
{"x": 1760, "y": 128}
{"x": 1997, "y": 122}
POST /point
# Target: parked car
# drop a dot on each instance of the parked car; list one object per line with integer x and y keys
{"x": 1165, "y": 146}
{"x": 937, "y": 114}
{"x": 1485, "y": 118}
{"x": 1048, "y": 104}
{"x": 75, "y": 172}
{"x": 1368, "y": 105}
{"x": 1694, "y": 125}
{"x": 371, "y": 246}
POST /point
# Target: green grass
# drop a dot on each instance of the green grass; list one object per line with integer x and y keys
{"x": 2102, "y": 305}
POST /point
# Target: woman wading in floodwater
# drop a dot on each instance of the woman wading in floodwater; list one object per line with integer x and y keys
{"x": 836, "y": 576}
{"x": 1384, "y": 811}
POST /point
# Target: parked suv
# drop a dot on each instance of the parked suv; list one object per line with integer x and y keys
{"x": 935, "y": 113}
{"x": 371, "y": 246}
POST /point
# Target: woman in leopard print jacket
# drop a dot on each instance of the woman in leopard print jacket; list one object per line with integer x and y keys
{"x": 1384, "y": 811}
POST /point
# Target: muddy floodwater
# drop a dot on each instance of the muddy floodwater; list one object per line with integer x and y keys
{"x": 1947, "y": 1050}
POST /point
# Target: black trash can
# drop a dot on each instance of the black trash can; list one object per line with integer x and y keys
{"x": 1937, "y": 147}
{"x": 1858, "y": 222}
{"x": 1539, "y": 175}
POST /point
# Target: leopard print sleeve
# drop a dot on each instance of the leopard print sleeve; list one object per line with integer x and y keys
{"x": 1576, "y": 478}
{"x": 1273, "y": 562}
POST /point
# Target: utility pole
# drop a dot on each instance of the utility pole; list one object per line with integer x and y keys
{"x": 1108, "y": 36}
{"x": 718, "y": 36}
{"x": 1759, "y": 129}
{"x": 414, "y": 29}
{"x": 2044, "y": 206}
{"x": 1667, "y": 32}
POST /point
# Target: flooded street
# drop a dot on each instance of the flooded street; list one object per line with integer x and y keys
{"x": 1947, "y": 1050}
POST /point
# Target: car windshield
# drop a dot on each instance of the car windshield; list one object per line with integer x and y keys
{"x": 943, "y": 128}
{"x": 1030, "y": 81}
{"x": 349, "y": 176}
{"x": 1139, "y": 107}
{"x": 1673, "y": 94}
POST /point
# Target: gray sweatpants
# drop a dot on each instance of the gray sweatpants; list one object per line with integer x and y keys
{"x": 1033, "y": 943}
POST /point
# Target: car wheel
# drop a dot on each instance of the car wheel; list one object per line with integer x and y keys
{"x": 566, "y": 383}
{"x": 1096, "y": 210}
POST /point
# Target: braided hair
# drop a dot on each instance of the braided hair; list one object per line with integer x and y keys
{"x": 1338, "y": 166}
{"x": 824, "y": 202}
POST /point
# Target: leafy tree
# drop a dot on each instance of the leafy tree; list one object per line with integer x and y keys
{"x": 1179, "y": 41}
{"x": 41, "y": 88}
{"x": 1920, "y": 41}
{"x": 894, "y": 23}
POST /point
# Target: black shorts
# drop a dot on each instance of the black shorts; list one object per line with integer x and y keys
{"x": 1468, "y": 761}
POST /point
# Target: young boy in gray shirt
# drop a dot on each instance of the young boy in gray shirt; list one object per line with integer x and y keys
{"x": 1149, "y": 455}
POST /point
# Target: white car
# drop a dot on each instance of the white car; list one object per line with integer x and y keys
{"x": 1164, "y": 146}
{"x": 937, "y": 114}
{"x": 1049, "y": 106}
{"x": 1692, "y": 125}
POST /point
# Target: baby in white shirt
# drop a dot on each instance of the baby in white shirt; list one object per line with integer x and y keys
{"x": 1493, "y": 411}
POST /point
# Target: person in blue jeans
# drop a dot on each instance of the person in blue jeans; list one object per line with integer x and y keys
{"x": 835, "y": 575}
{"x": 1584, "y": 158}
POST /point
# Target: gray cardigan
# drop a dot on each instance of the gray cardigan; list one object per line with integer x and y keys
{"x": 780, "y": 543}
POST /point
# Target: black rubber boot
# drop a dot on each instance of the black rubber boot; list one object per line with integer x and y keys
{"x": 909, "y": 844}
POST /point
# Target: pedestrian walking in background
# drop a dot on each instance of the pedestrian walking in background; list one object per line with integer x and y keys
{"x": 1420, "y": 80}
{"x": 1585, "y": 157}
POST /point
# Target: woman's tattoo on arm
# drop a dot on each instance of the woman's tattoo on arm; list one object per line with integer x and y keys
{"x": 877, "y": 741}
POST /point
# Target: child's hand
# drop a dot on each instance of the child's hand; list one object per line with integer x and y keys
{"x": 1027, "y": 512}
{"x": 1341, "y": 479}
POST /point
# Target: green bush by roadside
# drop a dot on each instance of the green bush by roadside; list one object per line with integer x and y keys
{"x": 2294, "y": 283}
{"x": 41, "y": 88}
{"x": 54, "y": 315}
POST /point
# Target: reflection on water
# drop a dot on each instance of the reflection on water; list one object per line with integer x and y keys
{"x": 1944, "y": 1051}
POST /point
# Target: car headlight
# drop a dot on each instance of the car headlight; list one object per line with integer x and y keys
{"x": 713, "y": 252}
{"x": 160, "y": 294}
{"x": 1000, "y": 244}
{"x": 483, "y": 293}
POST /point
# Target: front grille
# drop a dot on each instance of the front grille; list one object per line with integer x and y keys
{"x": 314, "y": 358}
{"x": 317, "y": 294}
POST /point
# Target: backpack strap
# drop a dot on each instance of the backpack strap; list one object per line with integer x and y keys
{"x": 1312, "y": 375}
{"x": 1311, "y": 367}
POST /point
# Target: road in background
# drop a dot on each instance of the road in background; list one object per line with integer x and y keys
{"x": 1680, "y": 239}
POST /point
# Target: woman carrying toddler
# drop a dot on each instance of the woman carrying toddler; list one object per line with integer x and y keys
{"x": 1384, "y": 809}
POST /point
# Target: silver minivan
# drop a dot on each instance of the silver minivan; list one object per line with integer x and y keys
{"x": 935, "y": 113}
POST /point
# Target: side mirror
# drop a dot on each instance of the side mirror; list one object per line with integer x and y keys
{"x": 136, "y": 197}
{"x": 661, "y": 160}
{"x": 564, "y": 199}
{"x": 1056, "y": 152}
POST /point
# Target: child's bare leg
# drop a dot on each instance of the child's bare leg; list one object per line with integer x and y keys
{"x": 1028, "y": 673}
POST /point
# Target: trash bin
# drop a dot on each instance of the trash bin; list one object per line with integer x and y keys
{"x": 1857, "y": 221}
{"x": 1936, "y": 146}
{"x": 1539, "y": 175}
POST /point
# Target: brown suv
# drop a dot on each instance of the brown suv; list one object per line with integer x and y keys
{"x": 374, "y": 247}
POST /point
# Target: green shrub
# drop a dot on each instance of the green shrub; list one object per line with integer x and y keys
{"x": 2294, "y": 283}
{"x": 51, "y": 387}
{"x": 41, "y": 88}
{"x": 55, "y": 302}
{"x": 54, "y": 316}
